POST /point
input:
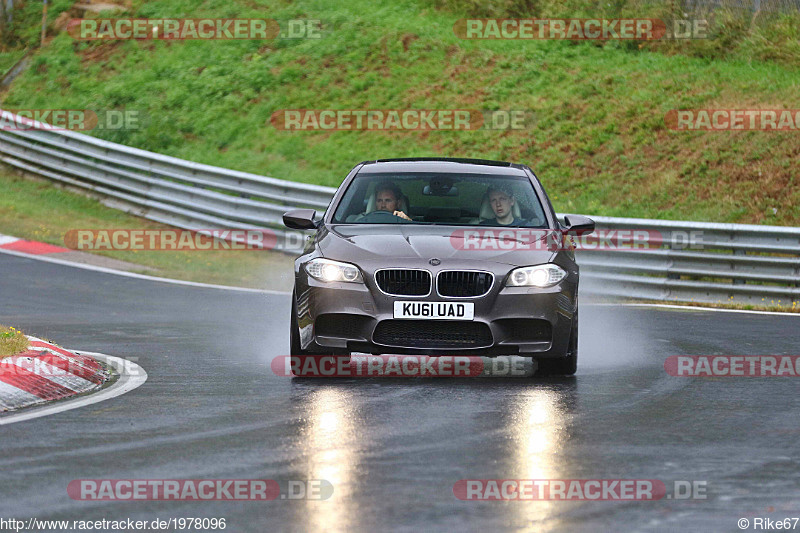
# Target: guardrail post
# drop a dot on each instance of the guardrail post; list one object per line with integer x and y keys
{"x": 738, "y": 281}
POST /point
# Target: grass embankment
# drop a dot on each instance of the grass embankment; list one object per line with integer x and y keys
{"x": 12, "y": 341}
{"x": 600, "y": 143}
{"x": 9, "y": 59}
{"x": 734, "y": 29}
{"x": 39, "y": 211}
{"x": 24, "y": 30}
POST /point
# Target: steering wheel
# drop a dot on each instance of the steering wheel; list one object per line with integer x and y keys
{"x": 381, "y": 217}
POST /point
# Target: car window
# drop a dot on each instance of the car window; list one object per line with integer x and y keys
{"x": 440, "y": 198}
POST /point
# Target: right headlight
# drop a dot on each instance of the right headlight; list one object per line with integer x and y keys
{"x": 329, "y": 271}
{"x": 536, "y": 276}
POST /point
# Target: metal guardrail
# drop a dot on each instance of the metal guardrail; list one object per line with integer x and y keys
{"x": 165, "y": 189}
{"x": 701, "y": 262}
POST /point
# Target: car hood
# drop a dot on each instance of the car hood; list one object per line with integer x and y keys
{"x": 517, "y": 246}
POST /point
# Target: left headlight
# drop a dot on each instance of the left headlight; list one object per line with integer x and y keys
{"x": 536, "y": 276}
{"x": 330, "y": 271}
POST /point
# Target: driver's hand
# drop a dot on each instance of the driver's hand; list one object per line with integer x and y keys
{"x": 401, "y": 215}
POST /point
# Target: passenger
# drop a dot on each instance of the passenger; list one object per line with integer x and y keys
{"x": 502, "y": 204}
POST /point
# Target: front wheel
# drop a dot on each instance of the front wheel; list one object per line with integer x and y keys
{"x": 294, "y": 333}
{"x": 565, "y": 366}
{"x": 304, "y": 362}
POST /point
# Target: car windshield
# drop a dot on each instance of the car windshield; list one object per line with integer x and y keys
{"x": 441, "y": 198}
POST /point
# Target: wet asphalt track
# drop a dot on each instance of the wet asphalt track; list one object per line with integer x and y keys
{"x": 393, "y": 449}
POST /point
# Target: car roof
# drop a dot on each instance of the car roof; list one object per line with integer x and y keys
{"x": 446, "y": 164}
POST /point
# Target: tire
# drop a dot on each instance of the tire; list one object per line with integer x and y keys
{"x": 295, "y": 346}
{"x": 294, "y": 332}
{"x": 565, "y": 366}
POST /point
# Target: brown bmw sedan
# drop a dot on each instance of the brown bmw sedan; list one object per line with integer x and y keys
{"x": 438, "y": 257}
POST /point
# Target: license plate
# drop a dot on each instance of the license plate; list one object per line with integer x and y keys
{"x": 435, "y": 310}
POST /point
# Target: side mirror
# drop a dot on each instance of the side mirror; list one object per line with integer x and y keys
{"x": 579, "y": 224}
{"x": 300, "y": 219}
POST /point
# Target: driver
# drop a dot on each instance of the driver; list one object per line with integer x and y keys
{"x": 387, "y": 198}
{"x": 502, "y": 203}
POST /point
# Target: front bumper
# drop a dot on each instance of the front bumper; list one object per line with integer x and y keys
{"x": 508, "y": 320}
